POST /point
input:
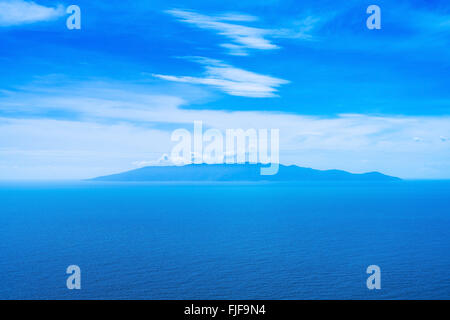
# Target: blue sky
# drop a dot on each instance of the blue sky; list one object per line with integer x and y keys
{"x": 81, "y": 103}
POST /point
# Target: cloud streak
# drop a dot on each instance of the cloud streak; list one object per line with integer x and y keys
{"x": 232, "y": 80}
{"x": 18, "y": 12}
{"x": 244, "y": 37}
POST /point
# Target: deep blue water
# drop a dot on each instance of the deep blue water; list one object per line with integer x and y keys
{"x": 225, "y": 241}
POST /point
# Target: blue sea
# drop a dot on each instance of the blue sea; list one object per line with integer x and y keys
{"x": 225, "y": 240}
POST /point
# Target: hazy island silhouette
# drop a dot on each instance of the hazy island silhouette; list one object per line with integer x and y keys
{"x": 239, "y": 172}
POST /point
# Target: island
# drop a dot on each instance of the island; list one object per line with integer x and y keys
{"x": 239, "y": 172}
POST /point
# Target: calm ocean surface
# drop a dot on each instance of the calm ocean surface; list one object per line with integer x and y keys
{"x": 225, "y": 241}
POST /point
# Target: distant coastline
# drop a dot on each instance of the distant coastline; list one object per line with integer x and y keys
{"x": 239, "y": 172}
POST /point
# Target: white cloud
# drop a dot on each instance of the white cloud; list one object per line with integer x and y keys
{"x": 60, "y": 149}
{"x": 301, "y": 29}
{"x": 234, "y": 50}
{"x": 244, "y": 37}
{"x": 117, "y": 130}
{"x": 17, "y": 12}
{"x": 236, "y": 17}
{"x": 164, "y": 160}
{"x": 234, "y": 81}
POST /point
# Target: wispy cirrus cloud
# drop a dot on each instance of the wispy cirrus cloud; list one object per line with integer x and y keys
{"x": 18, "y": 12}
{"x": 300, "y": 29}
{"x": 232, "y": 80}
{"x": 243, "y": 37}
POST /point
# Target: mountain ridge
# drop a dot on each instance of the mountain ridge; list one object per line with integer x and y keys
{"x": 239, "y": 172}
